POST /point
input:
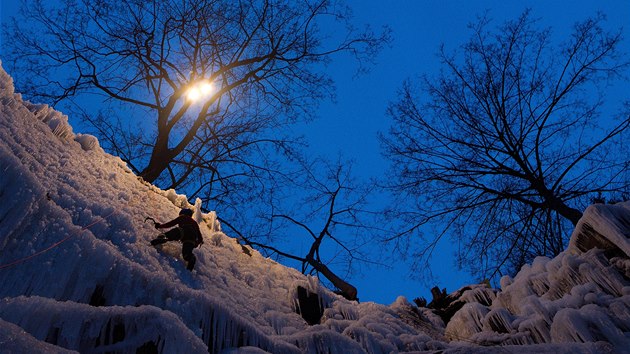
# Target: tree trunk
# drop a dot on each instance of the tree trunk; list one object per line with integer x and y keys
{"x": 161, "y": 157}
{"x": 570, "y": 213}
{"x": 564, "y": 210}
{"x": 347, "y": 290}
{"x": 553, "y": 202}
{"x": 153, "y": 171}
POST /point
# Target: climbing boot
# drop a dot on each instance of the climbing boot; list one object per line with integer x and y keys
{"x": 191, "y": 264}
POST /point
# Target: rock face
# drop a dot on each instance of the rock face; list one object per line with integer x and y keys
{"x": 582, "y": 295}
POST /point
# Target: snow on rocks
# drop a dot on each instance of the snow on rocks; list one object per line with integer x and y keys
{"x": 88, "y": 142}
{"x": 110, "y": 329}
{"x": 603, "y": 226}
{"x": 13, "y": 339}
{"x": 57, "y": 121}
{"x": 6, "y": 83}
{"x": 579, "y": 296}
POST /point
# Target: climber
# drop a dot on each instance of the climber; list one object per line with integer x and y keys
{"x": 187, "y": 231}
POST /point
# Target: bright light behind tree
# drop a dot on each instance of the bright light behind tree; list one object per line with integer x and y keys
{"x": 200, "y": 90}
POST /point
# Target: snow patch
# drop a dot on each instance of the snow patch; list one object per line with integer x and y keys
{"x": 6, "y": 83}
{"x": 88, "y": 142}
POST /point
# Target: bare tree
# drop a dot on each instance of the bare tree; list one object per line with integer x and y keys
{"x": 252, "y": 65}
{"x": 505, "y": 147}
{"x": 332, "y": 212}
{"x": 196, "y": 94}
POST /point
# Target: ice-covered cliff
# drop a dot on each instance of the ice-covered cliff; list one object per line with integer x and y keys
{"x": 582, "y": 295}
{"x": 77, "y": 270}
{"x": 77, "y": 273}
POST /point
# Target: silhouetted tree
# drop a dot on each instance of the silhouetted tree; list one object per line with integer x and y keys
{"x": 260, "y": 61}
{"x": 507, "y": 145}
{"x": 253, "y": 66}
{"x": 331, "y": 210}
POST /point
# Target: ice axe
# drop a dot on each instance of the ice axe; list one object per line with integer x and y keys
{"x": 152, "y": 219}
{"x": 160, "y": 236}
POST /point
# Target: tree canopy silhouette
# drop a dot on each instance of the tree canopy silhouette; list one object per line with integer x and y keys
{"x": 507, "y": 145}
{"x": 260, "y": 63}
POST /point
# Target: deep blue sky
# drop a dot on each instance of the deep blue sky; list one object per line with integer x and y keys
{"x": 419, "y": 28}
{"x": 351, "y": 124}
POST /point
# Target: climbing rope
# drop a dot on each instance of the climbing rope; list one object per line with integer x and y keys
{"x": 56, "y": 244}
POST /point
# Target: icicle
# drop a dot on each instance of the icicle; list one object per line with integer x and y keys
{"x": 499, "y": 320}
{"x": 344, "y": 310}
{"x": 480, "y": 294}
{"x": 586, "y": 324}
{"x": 197, "y": 214}
{"x": 538, "y": 328}
{"x": 601, "y": 272}
{"x": 466, "y": 322}
{"x": 212, "y": 222}
{"x": 122, "y": 329}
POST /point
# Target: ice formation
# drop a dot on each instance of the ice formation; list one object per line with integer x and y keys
{"x": 582, "y": 295}
{"x": 77, "y": 273}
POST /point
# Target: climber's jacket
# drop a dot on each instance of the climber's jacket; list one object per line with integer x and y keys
{"x": 189, "y": 228}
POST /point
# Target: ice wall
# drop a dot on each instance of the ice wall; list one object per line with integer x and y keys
{"x": 605, "y": 226}
{"x": 582, "y": 295}
{"x": 77, "y": 270}
{"x": 110, "y": 329}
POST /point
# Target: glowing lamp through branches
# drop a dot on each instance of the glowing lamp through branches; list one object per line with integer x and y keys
{"x": 200, "y": 90}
